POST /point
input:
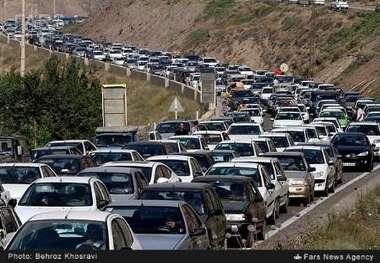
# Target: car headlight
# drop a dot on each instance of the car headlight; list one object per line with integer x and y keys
{"x": 235, "y": 217}
{"x": 363, "y": 154}
{"x": 318, "y": 174}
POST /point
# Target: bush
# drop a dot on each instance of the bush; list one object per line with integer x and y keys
{"x": 218, "y": 8}
{"x": 196, "y": 37}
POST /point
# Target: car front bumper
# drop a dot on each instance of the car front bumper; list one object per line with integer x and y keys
{"x": 298, "y": 191}
{"x": 355, "y": 161}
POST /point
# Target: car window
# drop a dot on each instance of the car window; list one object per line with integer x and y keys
{"x": 266, "y": 177}
{"x": 142, "y": 179}
{"x": 119, "y": 240}
{"x": 209, "y": 203}
{"x": 46, "y": 172}
{"x": 158, "y": 173}
{"x": 311, "y": 133}
{"x": 192, "y": 220}
{"x": 126, "y": 232}
{"x": 165, "y": 172}
{"x": 89, "y": 147}
{"x": 104, "y": 191}
{"x": 98, "y": 194}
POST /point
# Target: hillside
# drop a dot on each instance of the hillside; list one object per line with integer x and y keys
{"x": 259, "y": 34}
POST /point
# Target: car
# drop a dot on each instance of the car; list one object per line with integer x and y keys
{"x": 355, "y": 149}
{"x": 62, "y": 193}
{"x": 190, "y": 142}
{"x": 287, "y": 119}
{"x": 371, "y": 129}
{"x": 74, "y": 231}
{"x": 9, "y": 223}
{"x": 115, "y": 137}
{"x": 340, "y": 115}
{"x": 168, "y": 128}
{"x": 277, "y": 176}
{"x": 102, "y": 156}
{"x": 212, "y": 138}
{"x": 163, "y": 224}
{"x": 85, "y": 146}
{"x": 265, "y": 144}
{"x": 205, "y": 201}
{"x": 122, "y": 183}
{"x": 69, "y": 150}
{"x": 339, "y": 5}
{"x": 317, "y": 157}
{"x": 187, "y": 168}
{"x": 298, "y": 171}
{"x": 298, "y": 134}
{"x": 242, "y": 147}
{"x": 241, "y": 116}
{"x": 5, "y": 195}
{"x": 332, "y": 120}
{"x": 223, "y": 155}
{"x": 244, "y": 208}
{"x": 256, "y": 115}
{"x": 213, "y": 126}
{"x": 280, "y": 140}
{"x": 16, "y": 177}
{"x": 204, "y": 158}
{"x": 244, "y": 131}
{"x": 261, "y": 179}
{"x": 64, "y": 165}
{"x": 151, "y": 148}
{"x": 323, "y": 131}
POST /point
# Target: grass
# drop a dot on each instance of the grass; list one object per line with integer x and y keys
{"x": 358, "y": 228}
{"x": 360, "y": 60}
{"x": 197, "y": 37}
{"x": 218, "y": 8}
{"x": 147, "y": 103}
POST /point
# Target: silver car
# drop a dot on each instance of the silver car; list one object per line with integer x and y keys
{"x": 164, "y": 225}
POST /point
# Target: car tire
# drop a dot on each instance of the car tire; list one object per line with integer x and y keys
{"x": 308, "y": 199}
{"x": 284, "y": 208}
{"x": 325, "y": 192}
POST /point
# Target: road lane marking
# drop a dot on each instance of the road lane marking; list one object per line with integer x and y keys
{"x": 315, "y": 204}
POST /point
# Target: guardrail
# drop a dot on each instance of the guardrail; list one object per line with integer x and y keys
{"x": 178, "y": 87}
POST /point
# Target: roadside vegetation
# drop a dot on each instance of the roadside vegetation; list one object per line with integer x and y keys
{"x": 358, "y": 228}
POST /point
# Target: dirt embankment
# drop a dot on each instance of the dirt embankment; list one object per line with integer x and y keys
{"x": 259, "y": 34}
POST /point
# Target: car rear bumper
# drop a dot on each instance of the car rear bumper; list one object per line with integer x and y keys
{"x": 298, "y": 191}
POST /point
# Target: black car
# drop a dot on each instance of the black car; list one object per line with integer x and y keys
{"x": 204, "y": 158}
{"x": 355, "y": 150}
{"x": 221, "y": 156}
{"x": 203, "y": 198}
{"x": 66, "y": 164}
{"x": 151, "y": 148}
{"x": 69, "y": 150}
{"x": 243, "y": 205}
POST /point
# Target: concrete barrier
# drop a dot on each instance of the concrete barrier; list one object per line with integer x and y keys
{"x": 158, "y": 80}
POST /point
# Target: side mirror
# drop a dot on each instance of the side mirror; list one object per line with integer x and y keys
{"x": 270, "y": 186}
{"x": 282, "y": 178}
{"x": 198, "y": 232}
{"x": 162, "y": 180}
{"x": 12, "y": 203}
{"x": 331, "y": 162}
{"x": 312, "y": 169}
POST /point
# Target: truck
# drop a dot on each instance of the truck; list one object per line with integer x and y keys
{"x": 14, "y": 148}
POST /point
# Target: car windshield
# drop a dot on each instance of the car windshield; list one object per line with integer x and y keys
{"x": 269, "y": 168}
{"x": 350, "y": 140}
{"x": 253, "y": 112}
{"x": 180, "y": 167}
{"x": 106, "y": 140}
{"x": 239, "y": 171}
{"x": 311, "y": 156}
{"x": 104, "y": 157}
{"x": 71, "y": 144}
{"x": 6, "y": 146}
{"x": 321, "y": 130}
{"x": 288, "y": 116}
{"x": 58, "y": 195}
{"x": 243, "y": 149}
{"x": 152, "y": 219}
{"x": 189, "y": 143}
{"x": 292, "y": 163}
{"x": 244, "y": 130}
{"x": 171, "y": 127}
{"x": 61, "y": 235}
{"x": 221, "y": 157}
{"x": 63, "y": 165}
{"x": 211, "y": 126}
{"x": 230, "y": 191}
{"x": 366, "y": 129}
{"x": 298, "y": 136}
{"x": 193, "y": 198}
{"x": 146, "y": 171}
{"x": 147, "y": 150}
{"x": 212, "y": 139}
{"x": 116, "y": 183}
{"x": 19, "y": 175}
{"x": 335, "y": 114}
{"x": 280, "y": 142}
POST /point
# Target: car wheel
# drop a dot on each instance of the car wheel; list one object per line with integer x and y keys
{"x": 284, "y": 208}
{"x": 307, "y": 200}
{"x": 326, "y": 191}
{"x": 277, "y": 209}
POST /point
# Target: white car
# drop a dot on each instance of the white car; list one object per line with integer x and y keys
{"x": 332, "y": 130}
{"x": 371, "y": 129}
{"x": 118, "y": 61}
{"x": 212, "y": 138}
{"x": 298, "y": 134}
{"x": 256, "y": 115}
{"x": 318, "y": 2}
{"x": 246, "y": 71}
{"x": 210, "y": 62}
{"x": 323, "y": 131}
{"x": 114, "y": 154}
{"x": 244, "y": 131}
{"x": 85, "y": 146}
{"x": 154, "y": 172}
{"x": 280, "y": 140}
{"x": 114, "y": 53}
{"x": 187, "y": 168}
{"x": 212, "y": 126}
{"x": 266, "y": 92}
{"x": 4, "y": 195}
{"x": 242, "y": 147}
{"x": 16, "y": 177}
{"x": 339, "y": 5}
{"x": 318, "y": 158}
{"x": 305, "y": 114}
{"x": 331, "y": 120}
{"x": 265, "y": 144}
{"x": 277, "y": 176}
{"x": 98, "y": 55}
{"x": 73, "y": 230}
{"x": 191, "y": 143}
{"x": 65, "y": 193}
{"x": 261, "y": 179}
{"x": 284, "y": 119}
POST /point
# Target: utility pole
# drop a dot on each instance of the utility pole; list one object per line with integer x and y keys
{"x": 312, "y": 43}
{"x": 22, "y": 66}
{"x": 54, "y": 8}
{"x": 4, "y": 9}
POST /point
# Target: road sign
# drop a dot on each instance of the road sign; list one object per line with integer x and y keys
{"x": 284, "y": 67}
{"x": 176, "y": 107}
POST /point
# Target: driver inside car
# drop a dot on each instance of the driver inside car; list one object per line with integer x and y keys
{"x": 94, "y": 239}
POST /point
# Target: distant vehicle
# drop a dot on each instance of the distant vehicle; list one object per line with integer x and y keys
{"x": 244, "y": 131}
{"x": 100, "y": 157}
{"x": 339, "y": 5}
{"x": 280, "y": 140}
{"x": 167, "y": 129}
{"x": 85, "y": 146}
{"x": 223, "y": 155}
{"x": 191, "y": 142}
{"x": 122, "y": 183}
{"x": 287, "y": 119}
{"x": 64, "y": 165}
{"x": 115, "y": 137}
{"x": 67, "y": 150}
{"x": 212, "y": 126}
{"x": 204, "y": 200}
{"x": 212, "y": 138}
{"x": 204, "y": 158}
{"x": 164, "y": 225}
{"x": 55, "y": 194}
{"x": 74, "y": 231}
{"x": 152, "y": 148}
{"x": 14, "y": 149}
{"x": 242, "y": 147}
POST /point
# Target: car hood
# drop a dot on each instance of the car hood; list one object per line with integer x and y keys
{"x": 26, "y": 212}
{"x": 166, "y": 135}
{"x": 16, "y": 190}
{"x": 343, "y": 150}
{"x": 280, "y": 123}
{"x": 159, "y": 241}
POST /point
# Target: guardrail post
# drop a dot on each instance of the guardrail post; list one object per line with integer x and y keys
{"x": 67, "y": 56}
{"x": 182, "y": 88}
{"x": 86, "y": 62}
{"x": 8, "y": 40}
{"x": 148, "y": 76}
{"x": 35, "y": 48}
{"x": 195, "y": 94}
{"x": 107, "y": 66}
{"x": 129, "y": 72}
{"x": 167, "y": 82}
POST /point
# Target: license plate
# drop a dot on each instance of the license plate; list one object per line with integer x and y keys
{"x": 349, "y": 164}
